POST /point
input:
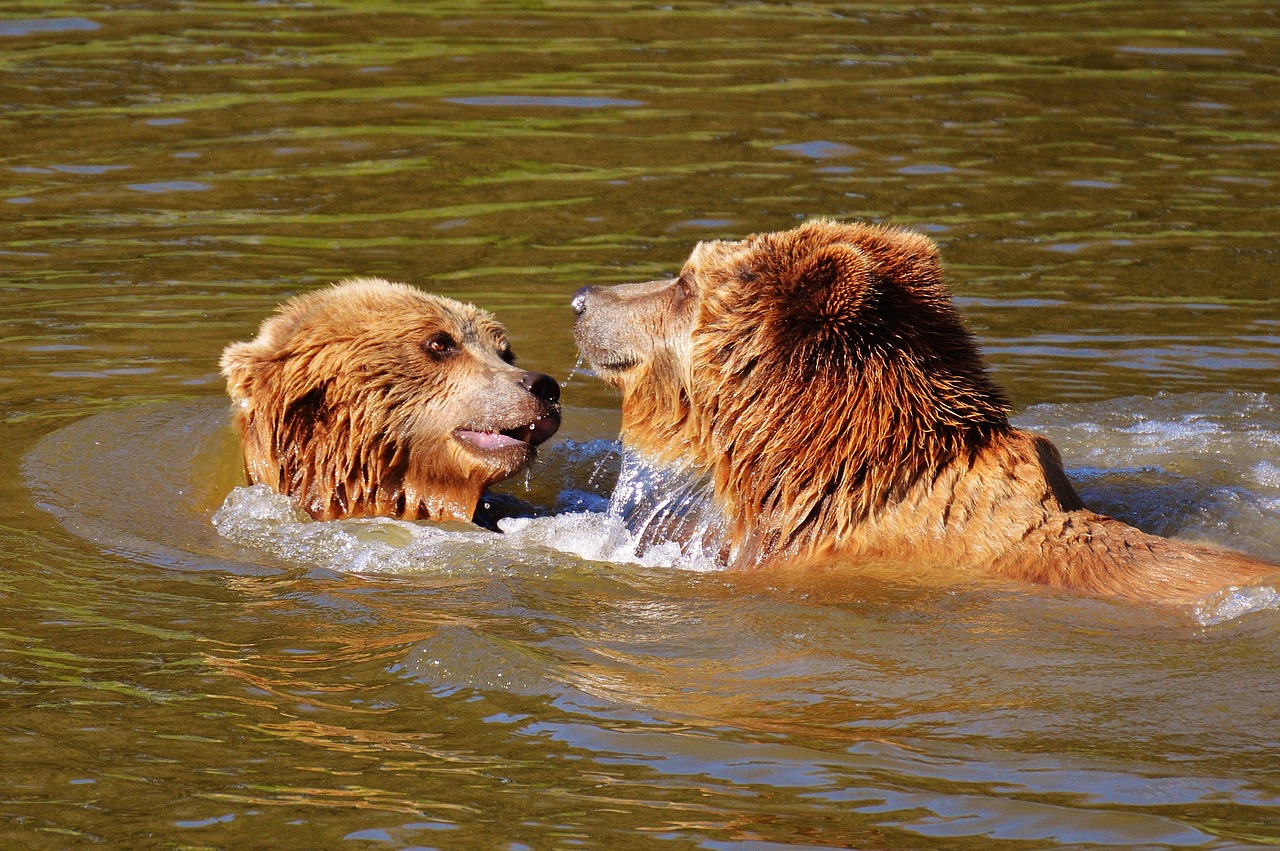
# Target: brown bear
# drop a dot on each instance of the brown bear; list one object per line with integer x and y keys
{"x": 824, "y": 381}
{"x": 372, "y": 398}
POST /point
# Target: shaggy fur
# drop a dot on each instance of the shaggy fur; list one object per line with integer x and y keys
{"x": 373, "y": 398}
{"x": 824, "y": 380}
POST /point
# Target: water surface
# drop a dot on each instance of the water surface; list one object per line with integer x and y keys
{"x": 1101, "y": 179}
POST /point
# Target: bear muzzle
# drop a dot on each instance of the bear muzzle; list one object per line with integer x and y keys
{"x": 519, "y": 438}
{"x": 603, "y": 330}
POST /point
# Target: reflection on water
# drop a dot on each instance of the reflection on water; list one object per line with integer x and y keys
{"x": 1101, "y": 179}
{"x": 900, "y": 705}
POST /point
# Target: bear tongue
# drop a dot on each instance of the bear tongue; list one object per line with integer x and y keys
{"x": 529, "y": 435}
{"x": 489, "y": 439}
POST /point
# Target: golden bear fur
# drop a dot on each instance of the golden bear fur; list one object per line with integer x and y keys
{"x": 371, "y": 398}
{"x": 824, "y": 380}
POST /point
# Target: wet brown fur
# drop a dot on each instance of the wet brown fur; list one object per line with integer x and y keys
{"x": 825, "y": 380}
{"x": 341, "y": 405}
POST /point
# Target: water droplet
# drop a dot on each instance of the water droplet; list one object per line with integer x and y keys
{"x": 577, "y": 367}
{"x": 594, "y": 478}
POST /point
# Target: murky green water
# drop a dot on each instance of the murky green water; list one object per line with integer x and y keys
{"x": 1103, "y": 180}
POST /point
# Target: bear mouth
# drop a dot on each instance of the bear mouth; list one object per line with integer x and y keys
{"x": 614, "y": 365}
{"x": 523, "y": 437}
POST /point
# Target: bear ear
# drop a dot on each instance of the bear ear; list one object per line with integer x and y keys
{"x": 240, "y": 362}
{"x": 827, "y": 287}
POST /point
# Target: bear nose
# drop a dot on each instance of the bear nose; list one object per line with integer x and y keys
{"x": 580, "y": 300}
{"x": 544, "y": 387}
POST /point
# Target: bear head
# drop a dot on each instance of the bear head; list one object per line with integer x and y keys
{"x": 817, "y": 373}
{"x": 375, "y": 398}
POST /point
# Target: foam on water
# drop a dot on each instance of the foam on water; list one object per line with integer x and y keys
{"x": 1201, "y": 465}
{"x": 663, "y": 507}
{"x": 1195, "y": 466}
{"x": 1220, "y": 433}
{"x": 600, "y": 537}
{"x": 1267, "y": 474}
{"x": 258, "y": 517}
{"x": 1231, "y": 603}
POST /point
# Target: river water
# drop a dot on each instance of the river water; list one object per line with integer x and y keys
{"x": 185, "y": 663}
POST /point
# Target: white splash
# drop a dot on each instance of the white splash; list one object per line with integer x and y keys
{"x": 599, "y": 537}
{"x": 1231, "y": 603}
{"x": 664, "y": 506}
{"x": 260, "y": 518}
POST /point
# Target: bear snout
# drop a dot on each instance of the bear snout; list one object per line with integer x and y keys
{"x": 542, "y": 386}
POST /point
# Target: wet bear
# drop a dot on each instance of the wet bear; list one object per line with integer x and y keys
{"x": 372, "y": 398}
{"x": 823, "y": 380}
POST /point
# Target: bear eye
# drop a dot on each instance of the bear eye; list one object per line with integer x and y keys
{"x": 440, "y": 345}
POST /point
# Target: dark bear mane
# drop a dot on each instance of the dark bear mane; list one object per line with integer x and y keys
{"x": 829, "y": 373}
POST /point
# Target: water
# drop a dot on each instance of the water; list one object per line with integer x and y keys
{"x": 1101, "y": 179}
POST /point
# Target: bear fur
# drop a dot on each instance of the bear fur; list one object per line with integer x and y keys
{"x": 372, "y": 398}
{"x": 824, "y": 381}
